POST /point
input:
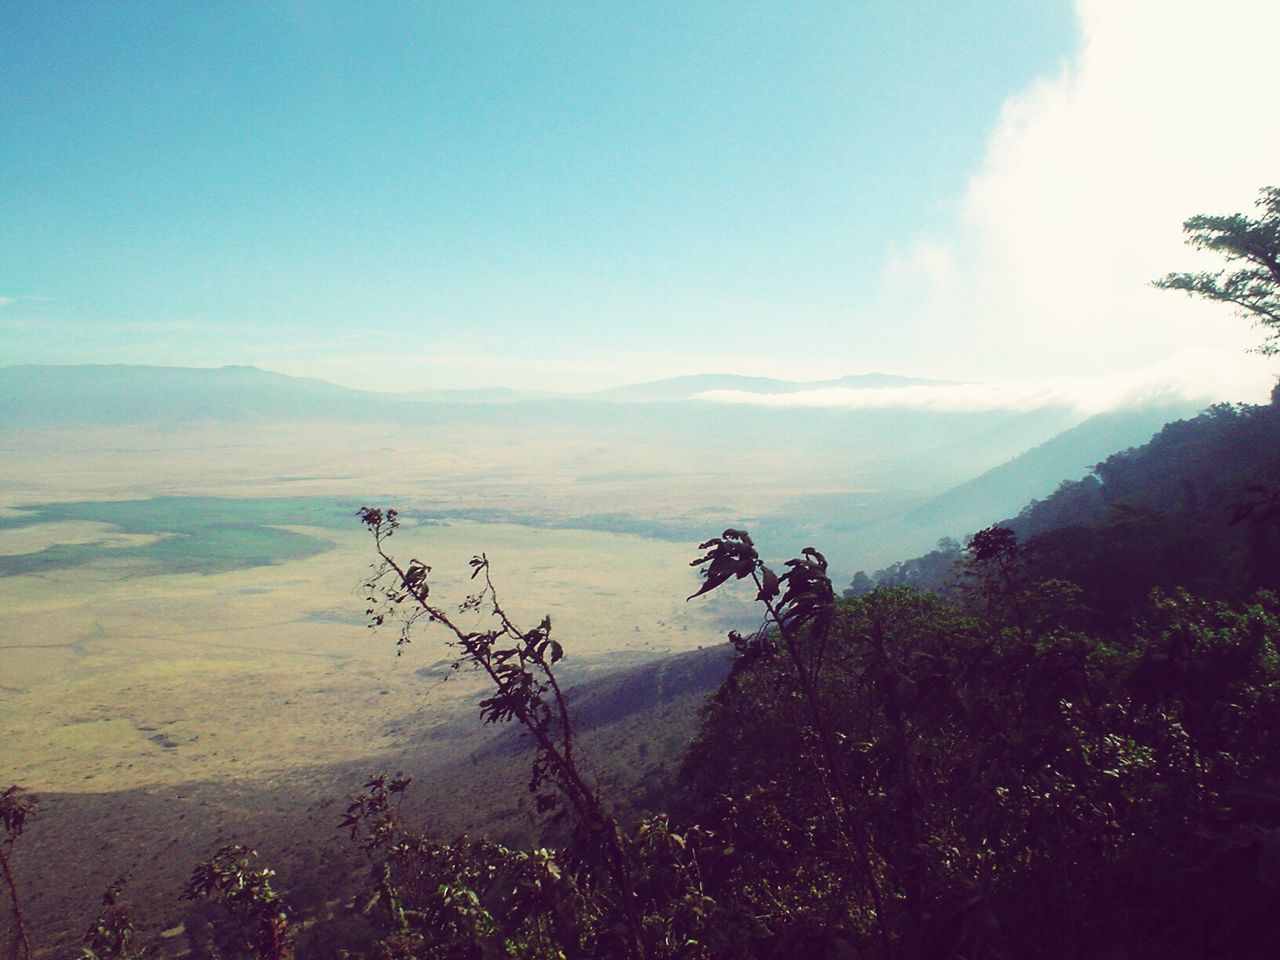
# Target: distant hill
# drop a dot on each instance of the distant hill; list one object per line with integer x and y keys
{"x": 686, "y": 388}
{"x": 116, "y": 394}
{"x": 112, "y": 394}
{"x": 478, "y": 395}
{"x": 904, "y": 447}
{"x": 101, "y": 395}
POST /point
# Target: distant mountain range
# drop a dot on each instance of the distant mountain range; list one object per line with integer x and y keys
{"x": 687, "y": 388}
{"x": 114, "y": 394}
{"x": 98, "y": 394}
{"x": 101, "y": 395}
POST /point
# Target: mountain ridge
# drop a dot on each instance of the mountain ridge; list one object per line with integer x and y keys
{"x": 691, "y": 385}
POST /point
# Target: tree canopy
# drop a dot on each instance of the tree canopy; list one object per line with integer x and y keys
{"x": 1252, "y": 248}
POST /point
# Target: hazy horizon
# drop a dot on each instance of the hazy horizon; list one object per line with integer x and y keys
{"x": 1174, "y": 382}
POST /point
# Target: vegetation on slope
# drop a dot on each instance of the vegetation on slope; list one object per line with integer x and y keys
{"x": 1196, "y": 507}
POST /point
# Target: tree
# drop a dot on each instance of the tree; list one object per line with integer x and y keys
{"x": 1254, "y": 246}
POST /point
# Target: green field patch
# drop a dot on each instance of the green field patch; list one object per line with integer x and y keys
{"x": 191, "y": 534}
{"x": 621, "y": 523}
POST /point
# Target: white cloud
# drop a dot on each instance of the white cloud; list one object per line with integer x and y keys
{"x": 22, "y": 298}
{"x": 1165, "y": 112}
{"x": 1194, "y": 376}
{"x": 166, "y": 326}
{"x": 22, "y": 324}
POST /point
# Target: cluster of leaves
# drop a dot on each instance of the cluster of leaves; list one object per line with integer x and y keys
{"x": 113, "y": 933}
{"x": 1252, "y": 247}
{"x": 477, "y": 898}
{"x": 468, "y": 897}
{"x": 230, "y": 879}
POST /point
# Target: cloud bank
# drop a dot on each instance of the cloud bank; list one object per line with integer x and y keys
{"x": 1164, "y": 113}
{"x": 1194, "y": 377}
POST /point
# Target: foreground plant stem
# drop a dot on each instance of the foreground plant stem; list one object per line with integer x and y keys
{"x": 519, "y": 696}
{"x": 21, "y": 943}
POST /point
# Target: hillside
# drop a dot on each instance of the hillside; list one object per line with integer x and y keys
{"x": 1006, "y": 489}
{"x": 1193, "y": 507}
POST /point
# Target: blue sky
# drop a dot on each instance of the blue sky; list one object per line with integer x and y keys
{"x": 541, "y": 195}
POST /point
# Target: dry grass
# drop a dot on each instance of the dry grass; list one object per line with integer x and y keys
{"x": 114, "y": 682}
{"x": 160, "y": 714}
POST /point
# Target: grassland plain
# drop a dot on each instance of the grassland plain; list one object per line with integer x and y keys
{"x": 553, "y": 473}
{"x": 184, "y": 657}
{"x": 162, "y": 711}
{"x": 120, "y": 675}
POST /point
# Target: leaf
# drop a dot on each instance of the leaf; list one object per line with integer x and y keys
{"x": 732, "y": 555}
{"x": 769, "y": 585}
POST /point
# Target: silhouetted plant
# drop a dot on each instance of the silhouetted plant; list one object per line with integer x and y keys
{"x": 997, "y": 567}
{"x": 111, "y": 936}
{"x": 467, "y": 897}
{"x": 16, "y": 807}
{"x": 1253, "y": 247}
{"x": 519, "y": 665}
{"x": 800, "y": 606}
{"x": 229, "y": 878}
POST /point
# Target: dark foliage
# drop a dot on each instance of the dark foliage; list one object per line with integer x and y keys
{"x": 1026, "y": 791}
{"x": 907, "y": 775}
{"x": 1251, "y": 247}
{"x": 1195, "y": 508}
{"x": 257, "y": 909}
{"x": 16, "y": 807}
{"x": 112, "y": 935}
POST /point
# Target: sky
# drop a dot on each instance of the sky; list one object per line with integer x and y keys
{"x": 569, "y": 196}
